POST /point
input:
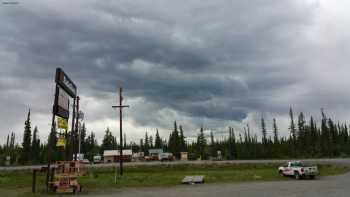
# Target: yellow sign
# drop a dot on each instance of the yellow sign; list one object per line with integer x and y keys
{"x": 61, "y": 141}
{"x": 62, "y": 123}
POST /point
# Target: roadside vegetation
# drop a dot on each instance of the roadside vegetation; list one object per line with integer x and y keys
{"x": 102, "y": 179}
{"x": 308, "y": 138}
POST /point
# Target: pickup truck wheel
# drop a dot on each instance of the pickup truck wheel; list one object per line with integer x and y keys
{"x": 312, "y": 176}
{"x": 280, "y": 172}
{"x": 297, "y": 175}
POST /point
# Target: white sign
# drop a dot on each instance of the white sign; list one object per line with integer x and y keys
{"x": 63, "y": 99}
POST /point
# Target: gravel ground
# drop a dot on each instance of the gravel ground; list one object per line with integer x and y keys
{"x": 334, "y": 186}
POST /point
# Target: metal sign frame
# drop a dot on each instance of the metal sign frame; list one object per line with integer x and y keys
{"x": 66, "y": 83}
{"x": 59, "y": 110}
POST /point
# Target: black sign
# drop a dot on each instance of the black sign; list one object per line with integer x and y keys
{"x": 64, "y": 82}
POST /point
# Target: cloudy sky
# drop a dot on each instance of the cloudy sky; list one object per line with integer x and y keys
{"x": 203, "y": 63}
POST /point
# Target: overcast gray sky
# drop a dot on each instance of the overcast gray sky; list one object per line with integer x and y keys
{"x": 203, "y": 63}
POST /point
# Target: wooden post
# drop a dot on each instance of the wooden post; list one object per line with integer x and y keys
{"x": 52, "y": 174}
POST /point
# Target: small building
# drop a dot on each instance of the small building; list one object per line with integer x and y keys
{"x": 153, "y": 152}
{"x": 114, "y": 155}
{"x": 184, "y": 156}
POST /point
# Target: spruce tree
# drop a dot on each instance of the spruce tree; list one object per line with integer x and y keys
{"x": 325, "y": 137}
{"x": 108, "y": 141}
{"x": 35, "y": 146}
{"x": 124, "y": 140}
{"x": 83, "y": 138}
{"x": 212, "y": 145}
{"x": 201, "y": 144}
{"x": 158, "y": 141}
{"x": 8, "y": 141}
{"x": 275, "y": 132}
{"x": 292, "y": 131}
{"x": 301, "y": 137}
{"x": 26, "y": 144}
{"x": 263, "y": 131}
{"x": 142, "y": 146}
{"x": 11, "y": 151}
{"x": 313, "y": 138}
{"x": 91, "y": 146}
{"x": 146, "y": 144}
{"x": 332, "y": 138}
{"x": 150, "y": 141}
{"x": 232, "y": 144}
{"x": 115, "y": 143}
{"x": 174, "y": 142}
{"x": 51, "y": 146}
{"x": 182, "y": 140}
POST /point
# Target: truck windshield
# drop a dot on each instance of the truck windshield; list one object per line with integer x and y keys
{"x": 296, "y": 164}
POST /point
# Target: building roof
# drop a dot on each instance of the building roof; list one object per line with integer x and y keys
{"x": 155, "y": 151}
{"x": 116, "y": 152}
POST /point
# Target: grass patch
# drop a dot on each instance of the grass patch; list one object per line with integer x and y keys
{"x": 157, "y": 176}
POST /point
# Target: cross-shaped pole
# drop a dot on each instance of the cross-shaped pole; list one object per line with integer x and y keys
{"x": 120, "y": 106}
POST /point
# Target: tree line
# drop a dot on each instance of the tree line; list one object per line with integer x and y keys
{"x": 306, "y": 139}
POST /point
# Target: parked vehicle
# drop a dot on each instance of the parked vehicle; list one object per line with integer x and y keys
{"x": 85, "y": 161}
{"x": 97, "y": 159}
{"x": 166, "y": 157}
{"x": 151, "y": 158}
{"x": 298, "y": 170}
{"x": 138, "y": 156}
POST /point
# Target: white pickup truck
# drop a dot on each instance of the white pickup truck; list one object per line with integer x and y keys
{"x": 298, "y": 170}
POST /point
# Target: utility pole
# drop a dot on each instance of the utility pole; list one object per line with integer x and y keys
{"x": 120, "y": 106}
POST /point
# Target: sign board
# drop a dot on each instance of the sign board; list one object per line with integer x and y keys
{"x": 61, "y": 142}
{"x": 64, "y": 82}
{"x": 61, "y": 107}
{"x": 62, "y": 123}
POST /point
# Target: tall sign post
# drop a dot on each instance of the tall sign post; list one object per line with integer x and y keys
{"x": 76, "y": 130}
{"x": 120, "y": 106}
{"x": 70, "y": 150}
{"x": 65, "y": 89}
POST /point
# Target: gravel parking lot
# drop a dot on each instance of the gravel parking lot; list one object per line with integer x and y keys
{"x": 335, "y": 186}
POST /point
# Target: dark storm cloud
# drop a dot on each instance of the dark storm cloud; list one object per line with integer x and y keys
{"x": 220, "y": 60}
